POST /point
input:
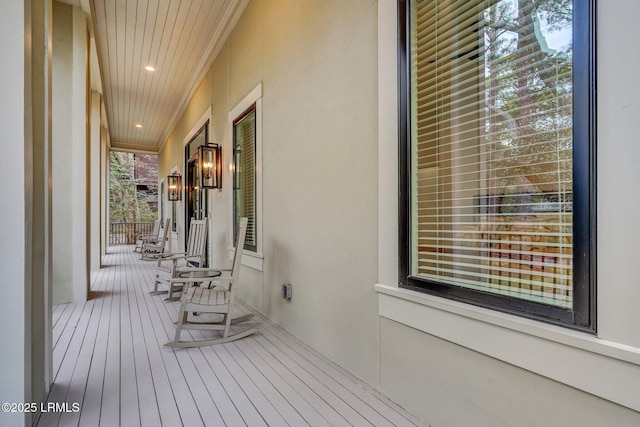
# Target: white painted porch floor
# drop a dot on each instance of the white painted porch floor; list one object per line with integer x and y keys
{"x": 108, "y": 357}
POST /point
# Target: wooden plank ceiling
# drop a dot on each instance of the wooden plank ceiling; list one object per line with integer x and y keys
{"x": 179, "y": 38}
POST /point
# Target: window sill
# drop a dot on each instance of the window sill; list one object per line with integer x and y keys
{"x": 604, "y": 368}
{"x": 249, "y": 259}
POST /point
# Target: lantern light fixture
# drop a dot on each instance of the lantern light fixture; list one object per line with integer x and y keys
{"x": 174, "y": 187}
{"x": 210, "y": 156}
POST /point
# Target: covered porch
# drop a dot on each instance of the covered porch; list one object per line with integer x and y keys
{"x": 110, "y": 363}
{"x": 317, "y": 85}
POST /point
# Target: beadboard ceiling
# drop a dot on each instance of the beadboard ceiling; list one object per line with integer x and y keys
{"x": 179, "y": 38}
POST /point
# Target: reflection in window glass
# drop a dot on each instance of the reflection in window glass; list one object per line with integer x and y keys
{"x": 244, "y": 179}
{"x": 492, "y": 149}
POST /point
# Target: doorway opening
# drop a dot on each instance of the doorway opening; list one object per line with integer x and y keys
{"x": 197, "y": 199}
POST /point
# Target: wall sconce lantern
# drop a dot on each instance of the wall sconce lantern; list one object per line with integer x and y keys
{"x": 210, "y": 156}
{"x": 174, "y": 187}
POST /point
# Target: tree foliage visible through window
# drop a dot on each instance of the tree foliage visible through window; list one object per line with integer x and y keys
{"x": 491, "y": 151}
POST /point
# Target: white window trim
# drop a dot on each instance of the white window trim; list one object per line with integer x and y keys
{"x": 605, "y": 368}
{"x": 206, "y": 117}
{"x": 197, "y": 126}
{"x": 250, "y": 258}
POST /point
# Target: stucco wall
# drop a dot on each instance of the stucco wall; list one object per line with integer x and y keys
{"x": 317, "y": 65}
{"x": 328, "y": 75}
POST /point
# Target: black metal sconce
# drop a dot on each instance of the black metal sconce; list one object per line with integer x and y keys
{"x": 174, "y": 187}
{"x": 210, "y": 156}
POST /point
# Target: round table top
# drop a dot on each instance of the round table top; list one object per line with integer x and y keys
{"x": 200, "y": 274}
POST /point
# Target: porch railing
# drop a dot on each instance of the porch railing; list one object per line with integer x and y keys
{"x": 126, "y": 233}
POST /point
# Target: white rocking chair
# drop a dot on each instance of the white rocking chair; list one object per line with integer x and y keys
{"x": 151, "y": 237}
{"x": 216, "y": 298}
{"x": 193, "y": 257}
{"x": 153, "y": 248}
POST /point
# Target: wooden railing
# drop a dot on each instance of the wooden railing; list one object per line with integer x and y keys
{"x": 126, "y": 233}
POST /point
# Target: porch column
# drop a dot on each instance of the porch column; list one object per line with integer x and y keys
{"x": 94, "y": 173}
{"x": 25, "y": 243}
{"x": 104, "y": 186}
{"x": 14, "y": 304}
{"x": 70, "y": 155}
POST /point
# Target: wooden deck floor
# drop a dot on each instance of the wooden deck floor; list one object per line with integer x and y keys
{"x": 109, "y": 360}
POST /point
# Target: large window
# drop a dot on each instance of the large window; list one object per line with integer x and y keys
{"x": 497, "y": 155}
{"x": 244, "y": 177}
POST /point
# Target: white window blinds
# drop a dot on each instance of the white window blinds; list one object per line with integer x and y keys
{"x": 245, "y": 174}
{"x": 491, "y": 159}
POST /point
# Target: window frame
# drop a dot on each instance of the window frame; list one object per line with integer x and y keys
{"x": 251, "y": 259}
{"x": 236, "y": 121}
{"x": 583, "y": 314}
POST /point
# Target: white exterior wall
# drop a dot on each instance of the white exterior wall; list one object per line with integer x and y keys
{"x": 618, "y": 175}
{"x": 316, "y": 62}
{"x": 330, "y": 225}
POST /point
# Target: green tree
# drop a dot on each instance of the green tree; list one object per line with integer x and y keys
{"x": 132, "y": 188}
{"x": 530, "y": 97}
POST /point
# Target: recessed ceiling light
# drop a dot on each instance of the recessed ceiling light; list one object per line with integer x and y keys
{"x": 149, "y": 68}
{"x": 138, "y": 125}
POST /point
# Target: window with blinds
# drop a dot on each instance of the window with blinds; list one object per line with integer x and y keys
{"x": 244, "y": 180}
{"x": 491, "y": 147}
